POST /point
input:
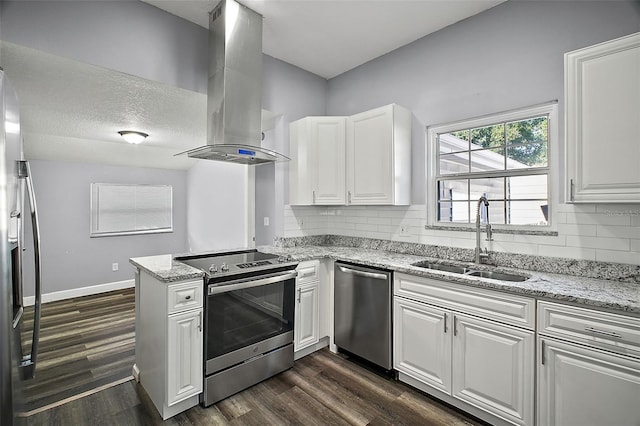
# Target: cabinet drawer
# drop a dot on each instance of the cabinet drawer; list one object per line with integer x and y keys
{"x": 613, "y": 332}
{"x": 308, "y": 271}
{"x": 495, "y": 305}
{"x": 184, "y": 296}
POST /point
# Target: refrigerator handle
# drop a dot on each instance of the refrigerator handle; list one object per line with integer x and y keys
{"x": 17, "y": 291}
{"x": 28, "y": 364}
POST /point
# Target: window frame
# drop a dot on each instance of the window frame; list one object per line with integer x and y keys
{"x": 432, "y": 176}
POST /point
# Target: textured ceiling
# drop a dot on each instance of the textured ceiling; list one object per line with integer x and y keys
{"x": 72, "y": 110}
{"x": 329, "y": 37}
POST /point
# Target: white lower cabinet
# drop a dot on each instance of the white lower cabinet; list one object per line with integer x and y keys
{"x": 184, "y": 356}
{"x": 584, "y": 386}
{"x": 493, "y": 367}
{"x": 481, "y": 365}
{"x": 588, "y": 367}
{"x": 307, "y": 317}
{"x": 169, "y": 342}
{"x": 422, "y": 344}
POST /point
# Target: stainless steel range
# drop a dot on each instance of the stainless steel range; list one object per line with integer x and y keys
{"x": 249, "y": 313}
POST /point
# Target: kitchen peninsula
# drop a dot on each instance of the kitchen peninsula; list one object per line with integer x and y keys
{"x": 599, "y": 318}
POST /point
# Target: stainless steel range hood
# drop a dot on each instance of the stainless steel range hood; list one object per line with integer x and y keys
{"x": 234, "y": 97}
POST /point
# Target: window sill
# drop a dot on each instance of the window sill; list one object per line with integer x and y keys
{"x": 546, "y": 233}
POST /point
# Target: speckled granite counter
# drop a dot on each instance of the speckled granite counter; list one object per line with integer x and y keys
{"x": 591, "y": 292}
{"x": 165, "y": 268}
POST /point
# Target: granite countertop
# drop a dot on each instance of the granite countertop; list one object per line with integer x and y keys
{"x": 618, "y": 296}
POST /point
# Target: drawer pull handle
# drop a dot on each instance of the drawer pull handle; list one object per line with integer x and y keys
{"x": 603, "y": 332}
{"x": 187, "y": 297}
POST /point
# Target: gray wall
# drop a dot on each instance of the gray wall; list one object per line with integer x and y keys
{"x": 70, "y": 259}
{"x": 508, "y": 57}
{"x": 127, "y": 35}
{"x": 293, "y": 93}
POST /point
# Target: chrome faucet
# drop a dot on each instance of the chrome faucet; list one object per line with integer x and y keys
{"x": 482, "y": 256}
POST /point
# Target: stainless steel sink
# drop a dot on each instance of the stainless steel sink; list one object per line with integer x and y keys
{"x": 501, "y": 276}
{"x": 441, "y": 267}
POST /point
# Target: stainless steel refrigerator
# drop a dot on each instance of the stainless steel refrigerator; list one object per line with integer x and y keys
{"x": 17, "y": 355}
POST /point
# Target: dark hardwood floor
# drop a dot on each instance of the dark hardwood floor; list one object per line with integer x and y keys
{"x": 321, "y": 389}
{"x": 85, "y": 343}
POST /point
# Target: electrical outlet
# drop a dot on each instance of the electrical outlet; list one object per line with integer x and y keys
{"x": 403, "y": 229}
{"x": 266, "y": 221}
{"x": 300, "y": 223}
{"x": 114, "y": 266}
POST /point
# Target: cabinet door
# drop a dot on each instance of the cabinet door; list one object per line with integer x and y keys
{"x": 184, "y": 356}
{"x": 493, "y": 368}
{"x": 582, "y": 386}
{"x": 328, "y": 160}
{"x": 422, "y": 343}
{"x": 370, "y": 176}
{"x": 602, "y": 86}
{"x": 306, "y": 317}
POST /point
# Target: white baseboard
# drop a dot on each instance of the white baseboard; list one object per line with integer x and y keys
{"x": 78, "y": 292}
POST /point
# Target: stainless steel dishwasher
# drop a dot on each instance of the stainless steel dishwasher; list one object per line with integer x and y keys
{"x": 362, "y": 312}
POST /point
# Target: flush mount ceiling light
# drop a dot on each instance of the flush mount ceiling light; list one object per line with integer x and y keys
{"x": 132, "y": 136}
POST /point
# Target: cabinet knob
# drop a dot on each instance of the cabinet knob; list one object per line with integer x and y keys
{"x": 187, "y": 297}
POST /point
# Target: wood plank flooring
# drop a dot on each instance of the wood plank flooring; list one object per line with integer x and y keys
{"x": 321, "y": 389}
{"x": 85, "y": 343}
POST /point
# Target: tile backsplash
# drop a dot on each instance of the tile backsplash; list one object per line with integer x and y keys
{"x": 607, "y": 233}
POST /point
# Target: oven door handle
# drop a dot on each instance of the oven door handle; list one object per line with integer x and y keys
{"x": 243, "y": 283}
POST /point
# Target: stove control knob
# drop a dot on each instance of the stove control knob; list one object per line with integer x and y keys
{"x": 224, "y": 268}
{"x": 213, "y": 268}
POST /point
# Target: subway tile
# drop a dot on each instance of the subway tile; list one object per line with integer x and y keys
{"x": 576, "y": 229}
{"x": 463, "y": 243}
{"x": 560, "y": 240}
{"x": 499, "y": 237}
{"x": 635, "y": 220}
{"x": 635, "y": 245}
{"x": 405, "y": 238}
{"x": 436, "y": 241}
{"x": 632, "y": 257}
{"x": 617, "y": 209}
{"x": 406, "y": 221}
{"x": 511, "y": 247}
{"x": 378, "y": 235}
{"x": 599, "y": 242}
{"x": 598, "y": 219}
{"x": 559, "y": 218}
{"x": 392, "y": 229}
{"x": 575, "y": 208}
{"x": 567, "y": 252}
{"x": 379, "y": 220}
{"x": 618, "y": 231}
{"x": 366, "y": 227}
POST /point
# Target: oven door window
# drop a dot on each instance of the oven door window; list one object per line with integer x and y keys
{"x": 243, "y": 317}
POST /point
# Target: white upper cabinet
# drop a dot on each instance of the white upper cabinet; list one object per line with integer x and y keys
{"x": 602, "y": 131}
{"x": 364, "y": 159}
{"x": 379, "y": 157}
{"x": 317, "y": 167}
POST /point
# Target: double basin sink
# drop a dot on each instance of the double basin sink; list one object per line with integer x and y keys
{"x": 462, "y": 270}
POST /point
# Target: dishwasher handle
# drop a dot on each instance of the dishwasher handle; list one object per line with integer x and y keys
{"x": 373, "y": 275}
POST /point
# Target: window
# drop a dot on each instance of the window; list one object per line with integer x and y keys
{"x": 503, "y": 157}
{"x": 119, "y": 209}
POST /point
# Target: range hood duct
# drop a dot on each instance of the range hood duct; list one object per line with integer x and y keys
{"x": 234, "y": 96}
